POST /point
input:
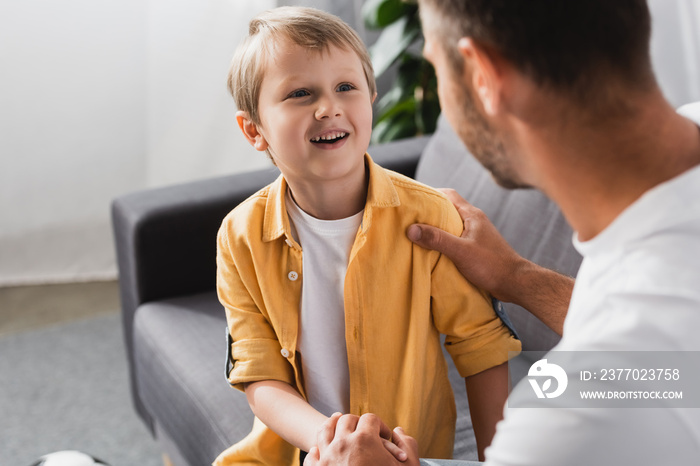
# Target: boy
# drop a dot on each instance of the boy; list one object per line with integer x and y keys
{"x": 355, "y": 326}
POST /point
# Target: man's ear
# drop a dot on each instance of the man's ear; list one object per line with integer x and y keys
{"x": 486, "y": 77}
{"x": 251, "y": 131}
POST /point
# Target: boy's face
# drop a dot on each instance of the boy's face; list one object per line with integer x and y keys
{"x": 315, "y": 113}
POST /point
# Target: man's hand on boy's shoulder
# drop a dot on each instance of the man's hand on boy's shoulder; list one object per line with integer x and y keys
{"x": 366, "y": 440}
{"x": 486, "y": 259}
{"x": 479, "y": 244}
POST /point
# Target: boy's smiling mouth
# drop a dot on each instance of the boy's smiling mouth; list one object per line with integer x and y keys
{"x": 330, "y": 138}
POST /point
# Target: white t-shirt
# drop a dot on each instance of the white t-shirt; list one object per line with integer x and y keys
{"x": 638, "y": 289}
{"x": 326, "y": 246}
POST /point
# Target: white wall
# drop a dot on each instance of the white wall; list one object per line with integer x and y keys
{"x": 72, "y": 132}
{"x": 192, "y": 132}
{"x": 100, "y": 98}
{"x": 675, "y": 48}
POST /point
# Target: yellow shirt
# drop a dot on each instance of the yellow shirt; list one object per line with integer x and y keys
{"x": 399, "y": 298}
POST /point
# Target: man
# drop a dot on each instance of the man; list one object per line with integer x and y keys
{"x": 560, "y": 96}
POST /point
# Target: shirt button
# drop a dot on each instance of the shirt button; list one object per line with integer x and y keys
{"x": 285, "y": 353}
{"x": 293, "y": 276}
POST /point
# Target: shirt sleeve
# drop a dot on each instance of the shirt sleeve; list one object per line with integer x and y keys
{"x": 476, "y": 338}
{"x": 255, "y": 349}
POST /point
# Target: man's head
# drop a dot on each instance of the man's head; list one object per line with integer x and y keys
{"x": 569, "y": 46}
{"x": 580, "y": 52}
{"x": 306, "y": 27}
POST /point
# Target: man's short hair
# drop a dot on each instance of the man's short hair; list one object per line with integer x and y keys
{"x": 567, "y": 45}
{"x": 306, "y": 27}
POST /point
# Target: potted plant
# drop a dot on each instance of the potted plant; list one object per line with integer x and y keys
{"x": 410, "y": 107}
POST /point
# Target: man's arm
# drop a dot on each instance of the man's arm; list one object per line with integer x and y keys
{"x": 486, "y": 259}
{"x": 487, "y": 392}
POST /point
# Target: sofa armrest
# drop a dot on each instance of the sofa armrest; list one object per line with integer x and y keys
{"x": 166, "y": 237}
{"x": 165, "y": 241}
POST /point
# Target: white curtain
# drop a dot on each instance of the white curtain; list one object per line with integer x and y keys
{"x": 103, "y": 98}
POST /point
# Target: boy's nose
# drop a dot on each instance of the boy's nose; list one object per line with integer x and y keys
{"x": 327, "y": 107}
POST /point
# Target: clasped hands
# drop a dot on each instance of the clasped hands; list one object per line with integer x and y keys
{"x": 347, "y": 439}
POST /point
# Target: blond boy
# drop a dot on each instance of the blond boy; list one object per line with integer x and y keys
{"x": 329, "y": 307}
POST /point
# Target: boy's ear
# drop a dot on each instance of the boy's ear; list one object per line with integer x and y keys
{"x": 374, "y": 97}
{"x": 485, "y": 75}
{"x": 250, "y": 131}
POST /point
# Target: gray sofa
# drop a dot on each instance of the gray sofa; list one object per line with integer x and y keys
{"x": 175, "y": 328}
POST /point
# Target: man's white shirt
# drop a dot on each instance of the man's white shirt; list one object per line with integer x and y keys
{"x": 638, "y": 289}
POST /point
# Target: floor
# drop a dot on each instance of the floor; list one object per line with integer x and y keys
{"x": 45, "y": 373}
{"x": 24, "y": 308}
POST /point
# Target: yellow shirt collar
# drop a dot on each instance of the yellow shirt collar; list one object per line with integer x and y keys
{"x": 381, "y": 193}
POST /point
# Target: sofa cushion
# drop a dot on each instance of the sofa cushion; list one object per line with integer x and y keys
{"x": 528, "y": 220}
{"x": 180, "y": 353}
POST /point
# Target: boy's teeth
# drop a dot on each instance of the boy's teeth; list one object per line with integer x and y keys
{"x": 329, "y": 137}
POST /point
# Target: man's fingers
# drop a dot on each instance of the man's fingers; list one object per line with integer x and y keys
{"x": 313, "y": 458}
{"x": 395, "y": 451}
{"x": 346, "y": 424}
{"x": 454, "y": 197}
{"x": 372, "y": 423}
{"x": 458, "y": 201}
{"x": 429, "y": 237}
{"x": 384, "y": 431}
{"x": 327, "y": 432}
{"x": 465, "y": 209}
{"x": 405, "y": 442}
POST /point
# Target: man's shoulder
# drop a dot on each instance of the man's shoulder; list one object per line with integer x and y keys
{"x": 643, "y": 297}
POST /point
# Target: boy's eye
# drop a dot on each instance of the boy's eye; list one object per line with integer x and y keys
{"x": 299, "y": 93}
{"x": 345, "y": 87}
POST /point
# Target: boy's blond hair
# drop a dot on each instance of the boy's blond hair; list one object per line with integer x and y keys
{"x": 307, "y": 27}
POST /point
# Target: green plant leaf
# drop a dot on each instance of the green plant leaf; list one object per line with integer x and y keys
{"x": 407, "y": 78}
{"x": 392, "y": 42}
{"x": 406, "y": 106}
{"x": 380, "y": 13}
{"x": 409, "y": 73}
{"x": 428, "y": 108}
{"x": 401, "y": 126}
{"x": 426, "y": 115}
{"x": 388, "y": 100}
{"x": 411, "y": 106}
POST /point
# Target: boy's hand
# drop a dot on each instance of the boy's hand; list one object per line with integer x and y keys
{"x": 351, "y": 440}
